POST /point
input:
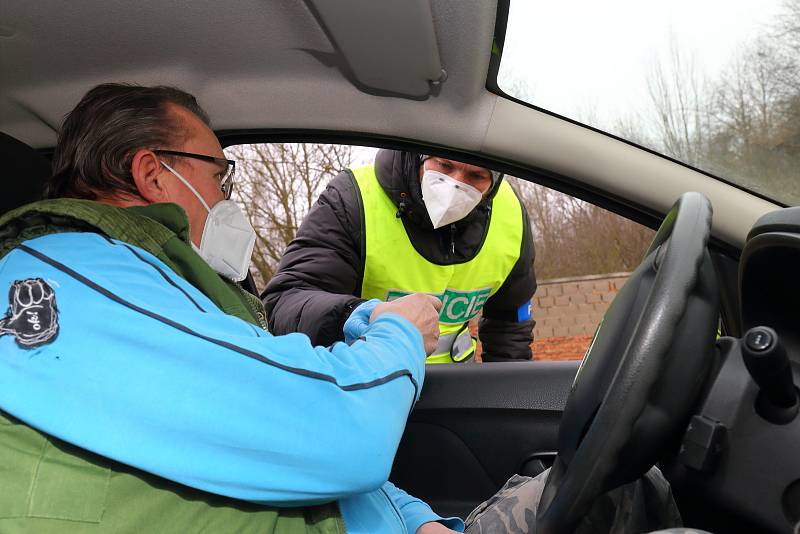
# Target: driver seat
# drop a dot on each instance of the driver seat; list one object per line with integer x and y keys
{"x": 25, "y": 172}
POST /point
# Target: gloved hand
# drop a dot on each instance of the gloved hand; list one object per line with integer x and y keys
{"x": 357, "y": 323}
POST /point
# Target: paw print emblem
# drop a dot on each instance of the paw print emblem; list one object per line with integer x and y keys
{"x": 32, "y": 316}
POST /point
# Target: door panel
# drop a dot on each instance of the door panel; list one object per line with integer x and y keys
{"x": 475, "y": 426}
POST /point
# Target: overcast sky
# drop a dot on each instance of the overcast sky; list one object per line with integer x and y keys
{"x": 585, "y": 58}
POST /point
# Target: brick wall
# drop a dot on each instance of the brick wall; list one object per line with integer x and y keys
{"x": 570, "y": 307}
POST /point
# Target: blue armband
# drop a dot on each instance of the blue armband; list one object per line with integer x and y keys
{"x": 525, "y": 312}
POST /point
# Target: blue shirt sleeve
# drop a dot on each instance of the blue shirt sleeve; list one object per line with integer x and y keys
{"x": 415, "y": 513}
{"x": 145, "y": 370}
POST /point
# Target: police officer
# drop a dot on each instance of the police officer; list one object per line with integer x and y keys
{"x": 413, "y": 223}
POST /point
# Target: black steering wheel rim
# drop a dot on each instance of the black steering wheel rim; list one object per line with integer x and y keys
{"x": 599, "y": 427}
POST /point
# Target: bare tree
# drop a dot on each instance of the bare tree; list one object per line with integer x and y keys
{"x": 677, "y": 94}
{"x": 277, "y": 184}
{"x": 744, "y": 125}
{"x": 576, "y": 238}
{"x": 786, "y": 31}
{"x": 747, "y": 107}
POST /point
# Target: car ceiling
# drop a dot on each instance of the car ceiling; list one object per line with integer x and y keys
{"x": 245, "y": 61}
{"x": 249, "y": 64}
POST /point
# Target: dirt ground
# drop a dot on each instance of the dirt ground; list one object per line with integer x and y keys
{"x": 561, "y": 348}
{"x": 551, "y": 348}
{"x": 557, "y": 348}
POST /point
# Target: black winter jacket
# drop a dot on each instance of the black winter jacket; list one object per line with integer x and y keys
{"x": 318, "y": 282}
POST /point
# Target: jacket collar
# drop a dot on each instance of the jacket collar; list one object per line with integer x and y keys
{"x": 160, "y": 229}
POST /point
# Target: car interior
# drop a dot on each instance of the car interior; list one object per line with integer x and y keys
{"x": 694, "y": 366}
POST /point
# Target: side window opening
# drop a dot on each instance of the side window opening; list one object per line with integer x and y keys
{"x": 584, "y": 253}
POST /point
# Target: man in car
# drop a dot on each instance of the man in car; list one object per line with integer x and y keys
{"x": 140, "y": 392}
{"x": 413, "y": 223}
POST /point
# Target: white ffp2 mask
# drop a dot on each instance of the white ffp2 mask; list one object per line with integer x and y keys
{"x": 446, "y": 199}
{"x": 228, "y": 237}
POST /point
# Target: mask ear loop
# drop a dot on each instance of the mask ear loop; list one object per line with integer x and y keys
{"x": 187, "y": 184}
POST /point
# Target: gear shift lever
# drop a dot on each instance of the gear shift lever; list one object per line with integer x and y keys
{"x": 769, "y": 366}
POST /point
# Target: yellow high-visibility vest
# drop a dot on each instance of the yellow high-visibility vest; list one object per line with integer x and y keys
{"x": 393, "y": 267}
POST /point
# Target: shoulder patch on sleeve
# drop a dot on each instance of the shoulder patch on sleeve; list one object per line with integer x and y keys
{"x": 32, "y": 316}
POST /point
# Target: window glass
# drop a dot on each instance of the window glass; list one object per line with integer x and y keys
{"x": 583, "y": 253}
{"x": 713, "y": 84}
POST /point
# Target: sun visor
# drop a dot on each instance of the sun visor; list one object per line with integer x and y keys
{"x": 383, "y": 48}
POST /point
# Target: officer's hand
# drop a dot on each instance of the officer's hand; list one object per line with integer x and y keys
{"x": 423, "y": 312}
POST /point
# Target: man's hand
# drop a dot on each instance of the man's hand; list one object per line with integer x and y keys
{"x": 434, "y": 528}
{"x": 423, "y": 312}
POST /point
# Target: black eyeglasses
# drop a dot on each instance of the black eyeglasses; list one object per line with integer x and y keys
{"x": 229, "y": 166}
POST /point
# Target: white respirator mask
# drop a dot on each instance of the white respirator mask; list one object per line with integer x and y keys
{"x": 228, "y": 237}
{"x": 446, "y": 199}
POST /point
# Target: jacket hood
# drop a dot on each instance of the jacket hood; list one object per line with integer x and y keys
{"x": 398, "y": 174}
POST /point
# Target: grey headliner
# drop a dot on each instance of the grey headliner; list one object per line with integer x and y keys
{"x": 244, "y": 60}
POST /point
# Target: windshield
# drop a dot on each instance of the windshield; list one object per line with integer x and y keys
{"x": 714, "y": 84}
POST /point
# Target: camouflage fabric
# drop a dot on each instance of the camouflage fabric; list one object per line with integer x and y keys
{"x": 640, "y": 506}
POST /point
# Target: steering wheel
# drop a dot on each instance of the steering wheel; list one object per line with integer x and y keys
{"x": 643, "y": 372}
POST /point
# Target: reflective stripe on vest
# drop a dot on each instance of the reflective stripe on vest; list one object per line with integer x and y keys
{"x": 393, "y": 267}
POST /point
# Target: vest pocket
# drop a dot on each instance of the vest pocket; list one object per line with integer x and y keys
{"x": 66, "y": 486}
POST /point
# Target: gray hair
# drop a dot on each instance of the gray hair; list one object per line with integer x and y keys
{"x": 99, "y": 138}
